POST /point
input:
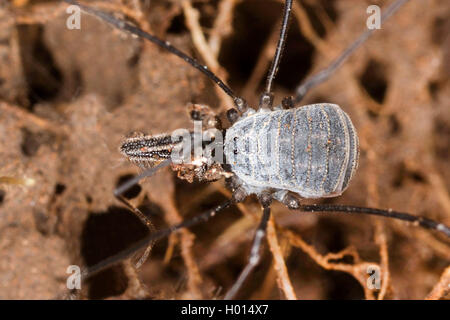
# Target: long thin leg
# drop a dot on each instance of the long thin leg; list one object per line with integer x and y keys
{"x": 125, "y": 26}
{"x": 323, "y": 75}
{"x": 145, "y": 221}
{"x": 280, "y": 47}
{"x": 293, "y": 203}
{"x": 421, "y": 221}
{"x": 255, "y": 255}
{"x": 146, "y": 173}
{"x": 118, "y": 193}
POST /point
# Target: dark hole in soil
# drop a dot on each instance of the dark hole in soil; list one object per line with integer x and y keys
{"x": 417, "y": 176}
{"x": 105, "y": 234}
{"x": 43, "y": 77}
{"x": 41, "y": 221}
{"x": 395, "y": 125}
{"x": 404, "y": 173}
{"x": 374, "y": 81}
{"x": 240, "y": 51}
{"x": 296, "y": 61}
{"x": 434, "y": 87}
{"x": 439, "y": 31}
{"x": 2, "y": 196}
{"x": 330, "y": 8}
{"x": 340, "y": 285}
{"x": 177, "y": 26}
{"x": 314, "y": 19}
{"x": 59, "y": 188}
{"x": 133, "y": 61}
{"x": 108, "y": 283}
{"x": 372, "y": 114}
{"x": 332, "y": 235}
{"x": 30, "y": 143}
{"x": 134, "y": 191}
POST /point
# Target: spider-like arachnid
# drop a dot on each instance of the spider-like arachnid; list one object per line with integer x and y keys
{"x": 314, "y": 155}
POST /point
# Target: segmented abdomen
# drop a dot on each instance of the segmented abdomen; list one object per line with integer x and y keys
{"x": 311, "y": 150}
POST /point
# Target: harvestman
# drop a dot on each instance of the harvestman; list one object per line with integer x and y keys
{"x": 315, "y": 152}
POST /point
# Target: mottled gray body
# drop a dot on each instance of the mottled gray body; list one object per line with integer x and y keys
{"x": 311, "y": 150}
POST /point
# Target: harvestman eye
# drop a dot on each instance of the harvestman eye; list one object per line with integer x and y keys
{"x": 312, "y": 151}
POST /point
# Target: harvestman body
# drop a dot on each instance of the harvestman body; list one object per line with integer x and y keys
{"x": 273, "y": 152}
{"x": 315, "y": 151}
{"x": 310, "y": 150}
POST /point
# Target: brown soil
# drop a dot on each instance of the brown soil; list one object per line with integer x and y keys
{"x": 68, "y": 98}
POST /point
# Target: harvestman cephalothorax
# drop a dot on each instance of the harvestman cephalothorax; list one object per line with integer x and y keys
{"x": 315, "y": 153}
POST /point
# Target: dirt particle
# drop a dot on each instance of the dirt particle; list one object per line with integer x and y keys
{"x": 30, "y": 143}
{"x": 59, "y": 188}
{"x": 41, "y": 221}
{"x": 395, "y": 126}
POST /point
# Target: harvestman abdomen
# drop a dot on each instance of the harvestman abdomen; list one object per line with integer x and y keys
{"x": 310, "y": 150}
